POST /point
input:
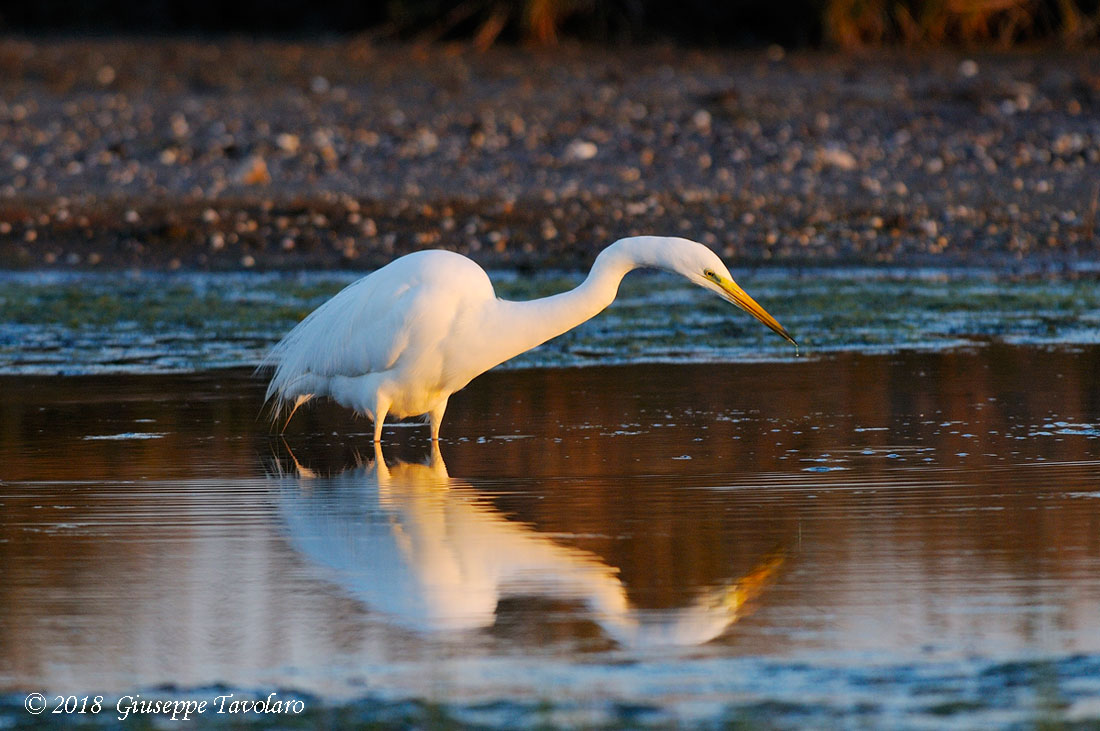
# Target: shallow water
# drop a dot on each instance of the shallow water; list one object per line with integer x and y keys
{"x": 908, "y": 539}
{"x": 84, "y": 323}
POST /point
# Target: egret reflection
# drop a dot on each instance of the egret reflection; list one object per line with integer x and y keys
{"x": 433, "y": 555}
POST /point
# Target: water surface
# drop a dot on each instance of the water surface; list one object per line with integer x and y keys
{"x": 909, "y": 539}
{"x": 140, "y": 322}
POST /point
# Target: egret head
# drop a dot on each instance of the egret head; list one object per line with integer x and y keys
{"x": 702, "y": 266}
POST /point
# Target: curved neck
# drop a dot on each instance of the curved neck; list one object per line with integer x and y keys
{"x": 524, "y": 325}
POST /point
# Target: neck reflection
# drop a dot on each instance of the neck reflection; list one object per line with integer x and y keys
{"x": 433, "y": 555}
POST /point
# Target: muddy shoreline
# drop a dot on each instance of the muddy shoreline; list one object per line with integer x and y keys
{"x": 240, "y": 154}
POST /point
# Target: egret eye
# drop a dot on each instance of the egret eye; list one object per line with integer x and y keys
{"x": 709, "y": 273}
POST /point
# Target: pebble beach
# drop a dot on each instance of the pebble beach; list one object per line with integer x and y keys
{"x": 228, "y": 153}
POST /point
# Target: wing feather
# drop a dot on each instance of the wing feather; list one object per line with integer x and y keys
{"x": 369, "y": 325}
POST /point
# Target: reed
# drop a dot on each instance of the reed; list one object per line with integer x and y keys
{"x": 852, "y": 24}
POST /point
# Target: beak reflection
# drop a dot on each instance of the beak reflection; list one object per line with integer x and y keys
{"x": 433, "y": 554}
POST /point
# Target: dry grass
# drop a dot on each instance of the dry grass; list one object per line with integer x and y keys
{"x": 859, "y": 23}
{"x": 537, "y": 21}
{"x": 847, "y": 24}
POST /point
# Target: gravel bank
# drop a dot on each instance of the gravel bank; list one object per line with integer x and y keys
{"x": 228, "y": 153}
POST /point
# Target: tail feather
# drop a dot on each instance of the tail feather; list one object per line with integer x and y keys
{"x": 292, "y": 384}
{"x": 328, "y": 342}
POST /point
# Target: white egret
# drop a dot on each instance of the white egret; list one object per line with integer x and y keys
{"x": 402, "y": 339}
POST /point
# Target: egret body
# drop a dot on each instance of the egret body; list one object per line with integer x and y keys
{"x": 402, "y": 339}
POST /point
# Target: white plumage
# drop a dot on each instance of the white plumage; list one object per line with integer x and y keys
{"x": 401, "y": 340}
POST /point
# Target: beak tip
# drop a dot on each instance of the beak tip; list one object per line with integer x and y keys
{"x": 782, "y": 332}
{"x": 736, "y": 295}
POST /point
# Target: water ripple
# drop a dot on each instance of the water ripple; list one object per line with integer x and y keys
{"x": 80, "y": 323}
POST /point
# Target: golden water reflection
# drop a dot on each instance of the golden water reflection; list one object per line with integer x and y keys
{"x": 445, "y": 558}
{"x": 898, "y": 508}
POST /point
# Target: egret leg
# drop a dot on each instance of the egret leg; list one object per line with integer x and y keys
{"x": 297, "y": 402}
{"x": 435, "y": 417}
{"x": 380, "y": 410}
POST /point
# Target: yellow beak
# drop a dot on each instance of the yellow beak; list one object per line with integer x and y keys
{"x": 733, "y": 292}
